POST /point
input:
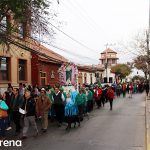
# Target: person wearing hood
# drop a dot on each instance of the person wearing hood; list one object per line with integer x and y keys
{"x": 43, "y": 105}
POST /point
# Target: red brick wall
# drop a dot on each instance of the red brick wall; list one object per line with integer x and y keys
{"x": 48, "y": 67}
{"x": 34, "y": 69}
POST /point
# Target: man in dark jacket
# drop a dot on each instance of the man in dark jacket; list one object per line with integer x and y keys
{"x": 59, "y": 100}
{"x": 16, "y": 103}
{"x": 29, "y": 119}
{"x": 147, "y": 88}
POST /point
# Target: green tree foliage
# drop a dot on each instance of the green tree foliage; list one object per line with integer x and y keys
{"x": 140, "y": 63}
{"x": 32, "y": 16}
{"x": 27, "y": 12}
{"x": 138, "y": 77}
{"x": 121, "y": 70}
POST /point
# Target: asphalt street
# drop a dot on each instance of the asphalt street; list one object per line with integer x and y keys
{"x": 120, "y": 129}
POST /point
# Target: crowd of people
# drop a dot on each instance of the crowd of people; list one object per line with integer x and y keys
{"x": 29, "y": 103}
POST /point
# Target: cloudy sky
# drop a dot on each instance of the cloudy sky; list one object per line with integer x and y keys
{"x": 94, "y": 23}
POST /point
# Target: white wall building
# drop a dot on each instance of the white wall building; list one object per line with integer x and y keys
{"x": 108, "y": 58}
{"x": 89, "y": 74}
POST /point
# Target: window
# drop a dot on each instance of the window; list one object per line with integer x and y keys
{"x": 104, "y": 61}
{"x": 4, "y": 69}
{"x": 43, "y": 78}
{"x": 91, "y": 78}
{"x": 109, "y": 61}
{"x": 113, "y": 61}
{"x": 85, "y": 78}
{"x": 105, "y": 79}
{"x": 110, "y": 79}
{"x": 22, "y": 70}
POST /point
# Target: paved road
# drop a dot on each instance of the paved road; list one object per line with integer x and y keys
{"x": 120, "y": 129}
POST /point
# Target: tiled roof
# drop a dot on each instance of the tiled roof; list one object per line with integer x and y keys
{"x": 91, "y": 68}
{"x": 51, "y": 54}
{"x": 108, "y": 50}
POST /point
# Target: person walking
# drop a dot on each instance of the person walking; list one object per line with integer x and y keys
{"x": 29, "y": 116}
{"x": 124, "y": 90}
{"x": 16, "y": 103}
{"x": 43, "y": 105}
{"x": 3, "y": 118}
{"x": 130, "y": 90}
{"x": 111, "y": 95}
{"x": 80, "y": 102}
{"x": 103, "y": 98}
{"x": 59, "y": 101}
{"x": 97, "y": 96}
{"x": 52, "y": 110}
{"x": 147, "y": 88}
{"x": 7, "y": 97}
{"x": 118, "y": 90}
{"x": 89, "y": 95}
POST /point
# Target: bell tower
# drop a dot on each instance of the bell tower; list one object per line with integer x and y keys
{"x": 108, "y": 58}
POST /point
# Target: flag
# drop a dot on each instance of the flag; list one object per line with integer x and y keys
{"x": 99, "y": 83}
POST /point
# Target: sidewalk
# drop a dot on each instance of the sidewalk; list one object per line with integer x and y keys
{"x": 147, "y": 123}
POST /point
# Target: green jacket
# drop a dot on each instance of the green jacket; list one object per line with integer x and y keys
{"x": 80, "y": 99}
{"x": 90, "y": 96}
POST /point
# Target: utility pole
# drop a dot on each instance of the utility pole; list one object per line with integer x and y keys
{"x": 148, "y": 56}
{"x": 106, "y": 63}
{"x": 148, "y": 48}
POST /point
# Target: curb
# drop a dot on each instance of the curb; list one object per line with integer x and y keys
{"x": 147, "y": 129}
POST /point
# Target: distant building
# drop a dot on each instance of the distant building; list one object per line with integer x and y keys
{"x": 108, "y": 58}
{"x": 89, "y": 74}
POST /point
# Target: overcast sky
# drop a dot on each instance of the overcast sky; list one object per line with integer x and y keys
{"x": 95, "y": 23}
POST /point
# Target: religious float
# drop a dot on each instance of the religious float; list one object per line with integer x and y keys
{"x": 68, "y": 74}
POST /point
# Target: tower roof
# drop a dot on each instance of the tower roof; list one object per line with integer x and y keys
{"x": 108, "y": 50}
